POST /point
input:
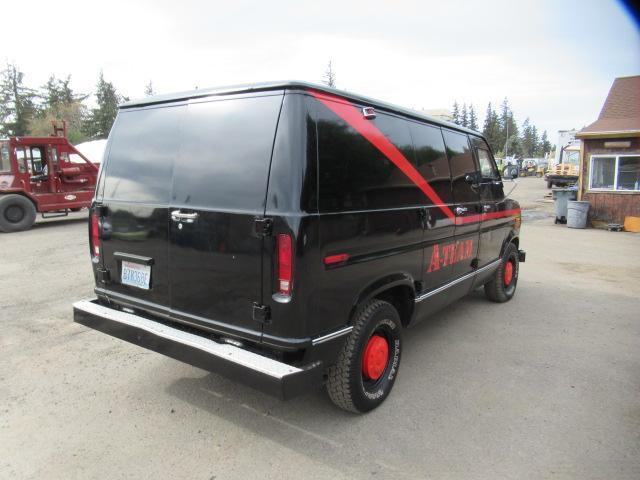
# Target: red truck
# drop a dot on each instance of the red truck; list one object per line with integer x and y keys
{"x": 42, "y": 174}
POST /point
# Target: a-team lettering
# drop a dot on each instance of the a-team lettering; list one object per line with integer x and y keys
{"x": 450, "y": 253}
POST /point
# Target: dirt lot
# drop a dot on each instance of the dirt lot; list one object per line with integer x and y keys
{"x": 546, "y": 386}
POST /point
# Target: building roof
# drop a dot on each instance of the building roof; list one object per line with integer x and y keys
{"x": 290, "y": 84}
{"x": 620, "y": 114}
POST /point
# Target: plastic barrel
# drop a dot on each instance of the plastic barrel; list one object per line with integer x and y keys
{"x": 561, "y": 196}
{"x": 577, "y": 214}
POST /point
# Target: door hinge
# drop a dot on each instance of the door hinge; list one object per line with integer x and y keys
{"x": 262, "y": 226}
{"x": 261, "y": 313}
{"x": 103, "y": 275}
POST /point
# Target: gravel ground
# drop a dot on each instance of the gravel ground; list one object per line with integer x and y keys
{"x": 545, "y": 386}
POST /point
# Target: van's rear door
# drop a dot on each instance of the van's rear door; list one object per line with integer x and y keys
{"x": 137, "y": 181}
{"x": 219, "y": 188}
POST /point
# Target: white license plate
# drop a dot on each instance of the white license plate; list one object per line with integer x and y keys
{"x": 136, "y": 275}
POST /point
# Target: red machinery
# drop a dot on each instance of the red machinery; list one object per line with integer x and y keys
{"x": 42, "y": 174}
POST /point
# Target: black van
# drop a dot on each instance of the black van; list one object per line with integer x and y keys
{"x": 285, "y": 234}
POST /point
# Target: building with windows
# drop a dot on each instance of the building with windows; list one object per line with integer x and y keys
{"x": 610, "y": 163}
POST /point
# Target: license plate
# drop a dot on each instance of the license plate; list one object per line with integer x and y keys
{"x": 136, "y": 275}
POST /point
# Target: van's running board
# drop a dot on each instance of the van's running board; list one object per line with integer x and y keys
{"x": 264, "y": 373}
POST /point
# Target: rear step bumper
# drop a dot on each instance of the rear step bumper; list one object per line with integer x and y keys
{"x": 263, "y": 373}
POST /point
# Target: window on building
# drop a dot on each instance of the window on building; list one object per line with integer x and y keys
{"x": 618, "y": 173}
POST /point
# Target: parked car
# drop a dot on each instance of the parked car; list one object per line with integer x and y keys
{"x": 287, "y": 234}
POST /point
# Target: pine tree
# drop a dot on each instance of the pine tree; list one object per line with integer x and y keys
{"x": 545, "y": 145}
{"x": 535, "y": 142}
{"x": 455, "y": 116}
{"x": 329, "y": 76}
{"x": 473, "y": 119}
{"x": 508, "y": 128}
{"x": 57, "y": 93}
{"x": 491, "y": 129}
{"x": 17, "y": 102}
{"x": 527, "y": 143}
{"x": 59, "y": 102}
{"x": 464, "y": 119}
{"x": 148, "y": 89}
{"x": 101, "y": 118}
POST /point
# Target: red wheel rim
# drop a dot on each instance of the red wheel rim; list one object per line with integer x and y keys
{"x": 508, "y": 272}
{"x": 375, "y": 358}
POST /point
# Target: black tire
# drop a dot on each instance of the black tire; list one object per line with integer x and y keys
{"x": 347, "y": 384}
{"x": 75, "y": 209}
{"x": 502, "y": 286}
{"x": 16, "y": 213}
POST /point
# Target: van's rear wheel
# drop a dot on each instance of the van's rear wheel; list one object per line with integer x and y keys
{"x": 16, "y": 213}
{"x": 502, "y": 286}
{"x": 367, "y": 366}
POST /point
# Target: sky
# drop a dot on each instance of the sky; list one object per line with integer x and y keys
{"x": 553, "y": 60}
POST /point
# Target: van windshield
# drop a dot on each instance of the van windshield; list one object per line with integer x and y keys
{"x": 5, "y": 161}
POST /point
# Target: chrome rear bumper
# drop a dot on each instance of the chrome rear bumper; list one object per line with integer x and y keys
{"x": 264, "y": 373}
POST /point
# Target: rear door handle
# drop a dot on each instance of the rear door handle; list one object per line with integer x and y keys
{"x": 461, "y": 210}
{"x": 178, "y": 216}
{"x": 486, "y": 208}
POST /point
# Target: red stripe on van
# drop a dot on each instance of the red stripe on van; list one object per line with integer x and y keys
{"x": 368, "y": 130}
{"x": 487, "y": 216}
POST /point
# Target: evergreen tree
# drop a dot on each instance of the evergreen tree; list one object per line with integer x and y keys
{"x": 545, "y": 145}
{"x": 59, "y": 102}
{"x": 473, "y": 119}
{"x": 148, "y": 89}
{"x": 464, "y": 119}
{"x": 491, "y": 129}
{"x": 329, "y": 76}
{"x": 508, "y": 127}
{"x": 57, "y": 93}
{"x": 513, "y": 147}
{"x": 455, "y": 116}
{"x": 535, "y": 142}
{"x": 527, "y": 141}
{"x": 101, "y": 118}
{"x": 17, "y": 102}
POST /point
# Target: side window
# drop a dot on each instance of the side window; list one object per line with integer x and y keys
{"x": 487, "y": 168}
{"x": 431, "y": 159}
{"x": 354, "y": 174}
{"x": 53, "y": 154}
{"x": 5, "y": 161}
{"x": 37, "y": 160}
{"x": 141, "y": 158}
{"x": 462, "y": 166}
{"x": 21, "y": 157}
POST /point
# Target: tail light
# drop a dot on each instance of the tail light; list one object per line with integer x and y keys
{"x": 285, "y": 264}
{"x": 94, "y": 237}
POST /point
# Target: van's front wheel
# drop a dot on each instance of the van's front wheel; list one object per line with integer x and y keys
{"x": 16, "y": 213}
{"x": 368, "y": 364}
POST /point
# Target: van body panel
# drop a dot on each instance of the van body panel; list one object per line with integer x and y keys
{"x": 137, "y": 178}
{"x": 220, "y": 178}
{"x": 467, "y": 209}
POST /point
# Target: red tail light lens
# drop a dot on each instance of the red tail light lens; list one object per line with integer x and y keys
{"x": 285, "y": 265}
{"x": 95, "y": 235}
